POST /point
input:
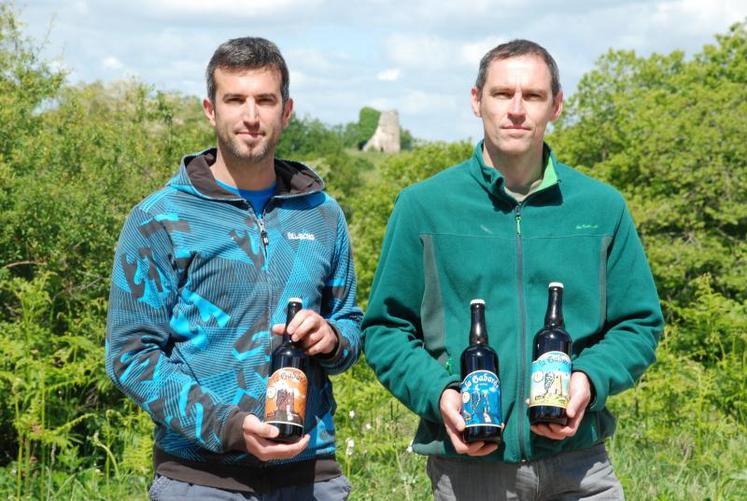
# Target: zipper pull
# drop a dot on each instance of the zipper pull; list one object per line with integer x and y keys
{"x": 518, "y": 219}
{"x": 263, "y": 232}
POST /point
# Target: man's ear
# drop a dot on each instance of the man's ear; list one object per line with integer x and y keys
{"x": 287, "y": 112}
{"x": 557, "y": 106}
{"x": 209, "y": 110}
{"x": 475, "y": 97}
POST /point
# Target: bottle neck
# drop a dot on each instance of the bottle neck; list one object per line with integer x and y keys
{"x": 293, "y": 308}
{"x": 554, "y": 314}
{"x": 478, "y": 334}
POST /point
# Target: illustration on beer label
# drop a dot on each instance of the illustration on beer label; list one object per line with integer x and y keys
{"x": 286, "y": 397}
{"x": 551, "y": 380}
{"x": 481, "y": 399}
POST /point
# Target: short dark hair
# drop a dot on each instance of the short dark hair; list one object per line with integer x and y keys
{"x": 516, "y": 48}
{"x": 247, "y": 53}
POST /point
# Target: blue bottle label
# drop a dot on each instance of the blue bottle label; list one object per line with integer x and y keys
{"x": 481, "y": 399}
{"x": 551, "y": 379}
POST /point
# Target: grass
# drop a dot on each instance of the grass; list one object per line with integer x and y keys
{"x": 683, "y": 463}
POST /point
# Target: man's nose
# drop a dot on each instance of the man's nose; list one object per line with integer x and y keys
{"x": 250, "y": 112}
{"x": 517, "y": 104}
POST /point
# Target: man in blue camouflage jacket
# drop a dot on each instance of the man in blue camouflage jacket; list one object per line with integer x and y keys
{"x": 203, "y": 270}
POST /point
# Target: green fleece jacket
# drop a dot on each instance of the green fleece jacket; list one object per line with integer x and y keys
{"x": 458, "y": 236}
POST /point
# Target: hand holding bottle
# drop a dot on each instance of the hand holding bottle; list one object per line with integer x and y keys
{"x": 311, "y": 332}
{"x": 580, "y": 396}
{"x": 451, "y": 412}
{"x": 259, "y": 439}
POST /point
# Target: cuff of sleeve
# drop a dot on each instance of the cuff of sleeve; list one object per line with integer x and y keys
{"x": 233, "y": 432}
{"x": 597, "y": 401}
{"x": 449, "y": 383}
{"x": 334, "y": 356}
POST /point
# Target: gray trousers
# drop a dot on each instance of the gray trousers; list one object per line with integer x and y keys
{"x": 167, "y": 489}
{"x": 583, "y": 474}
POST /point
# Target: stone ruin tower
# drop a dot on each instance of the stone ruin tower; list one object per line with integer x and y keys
{"x": 386, "y": 137}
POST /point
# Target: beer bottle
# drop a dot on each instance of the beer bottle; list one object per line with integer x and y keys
{"x": 285, "y": 405}
{"x": 480, "y": 388}
{"x": 551, "y": 368}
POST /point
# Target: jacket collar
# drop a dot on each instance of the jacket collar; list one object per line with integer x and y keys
{"x": 493, "y": 181}
{"x": 195, "y": 177}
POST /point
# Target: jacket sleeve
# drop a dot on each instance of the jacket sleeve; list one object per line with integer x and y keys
{"x": 634, "y": 321}
{"x": 141, "y": 357}
{"x": 339, "y": 305}
{"x": 392, "y": 329}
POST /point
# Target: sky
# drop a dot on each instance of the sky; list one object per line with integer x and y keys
{"x": 419, "y": 57}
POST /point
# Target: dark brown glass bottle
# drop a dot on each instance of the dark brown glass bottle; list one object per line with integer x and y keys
{"x": 480, "y": 388}
{"x": 551, "y": 369}
{"x": 285, "y": 405}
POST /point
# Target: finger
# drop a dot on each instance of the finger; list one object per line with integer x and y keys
{"x": 266, "y": 450}
{"x": 452, "y": 416}
{"x": 484, "y": 449}
{"x": 253, "y": 426}
{"x": 456, "y": 440}
{"x": 308, "y": 327}
{"x": 285, "y": 451}
{"x": 573, "y": 423}
{"x": 278, "y": 329}
{"x": 326, "y": 343}
{"x": 473, "y": 448}
{"x": 299, "y": 319}
{"x": 546, "y": 431}
{"x": 574, "y": 404}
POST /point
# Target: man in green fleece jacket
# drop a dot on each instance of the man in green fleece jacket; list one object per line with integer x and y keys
{"x": 500, "y": 226}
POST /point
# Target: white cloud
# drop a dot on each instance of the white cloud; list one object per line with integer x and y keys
{"x": 389, "y": 75}
{"x": 419, "y": 57}
{"x": 417, "y": 102}
{"x": 81, "y": 8}
{"x": 419, "y": 51}
{"x": 112, "y": 63}
{"x": 310, "y": 59}
{"x": 472, "y": 52}
{"x": 233, "y": 8}
{"x": 429, "y": 52}
{"x": 301, "y": 79}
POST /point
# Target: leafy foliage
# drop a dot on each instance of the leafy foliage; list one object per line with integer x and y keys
{"x": 665, "y": 130}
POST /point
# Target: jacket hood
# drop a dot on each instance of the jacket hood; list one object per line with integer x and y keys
{"x": 195, "y": 177}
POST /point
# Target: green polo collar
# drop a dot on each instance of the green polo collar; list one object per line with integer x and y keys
{"x": 494, "y": 180}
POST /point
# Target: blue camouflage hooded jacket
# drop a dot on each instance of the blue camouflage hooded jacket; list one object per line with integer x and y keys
{"x": 197, "y": 283}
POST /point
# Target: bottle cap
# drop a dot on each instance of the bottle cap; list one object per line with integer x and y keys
{"x": 555, "y": 284}
{"x": 477, "y": 301}
{"x": 295, "y": 300}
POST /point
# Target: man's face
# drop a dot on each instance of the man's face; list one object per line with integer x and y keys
{"x": 248, "y": 113}
{"x": 516, "y": 104}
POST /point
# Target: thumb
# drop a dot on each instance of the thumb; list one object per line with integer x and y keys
{"x": 579, "y": 394}
{"x": 278, "y": 329}
{"x": 454, "y": 416}
{"x": 573, "y": 405}
{"x": 254, "y": 426}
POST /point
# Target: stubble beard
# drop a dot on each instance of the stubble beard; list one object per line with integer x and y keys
{"x": 242, "y": 154}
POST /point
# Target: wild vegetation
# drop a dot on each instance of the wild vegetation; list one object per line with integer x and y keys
{"x": 666, "y": 130}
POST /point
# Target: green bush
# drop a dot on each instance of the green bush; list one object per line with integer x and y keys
{"x": 666, "y": 131}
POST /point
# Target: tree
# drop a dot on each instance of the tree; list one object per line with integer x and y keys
{"x": 669, "y": 133}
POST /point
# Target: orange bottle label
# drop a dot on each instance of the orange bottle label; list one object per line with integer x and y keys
{"x": 286, "y": 397}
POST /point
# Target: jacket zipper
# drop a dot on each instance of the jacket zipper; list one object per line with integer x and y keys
{"x": 263, "y": 234}
{"x": 522, "y": 313}
{"x": 265, "y": 242}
